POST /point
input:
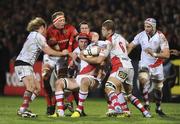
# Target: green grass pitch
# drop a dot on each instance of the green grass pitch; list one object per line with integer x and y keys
{"x": 95, "y": 108}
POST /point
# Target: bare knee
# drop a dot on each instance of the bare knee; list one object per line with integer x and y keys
{"x": 59, "y": 84}
{"x": 85, "y": 83}
{"x": 143, "y": 78}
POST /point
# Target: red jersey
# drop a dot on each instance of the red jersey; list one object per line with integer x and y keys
{"x": 65, "y": 37}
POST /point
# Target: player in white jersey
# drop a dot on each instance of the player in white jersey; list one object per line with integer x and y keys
{"x": 72, "y": 84}
{"x": 35, "y": 43}
{"x": 122, "y": 71}
{"x": 155, "y": 48}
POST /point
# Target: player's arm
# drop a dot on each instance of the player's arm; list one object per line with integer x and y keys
{"x": 103, "y": 54}
{"x": 93, "y": 59}
{"x": 130, "y": 47}
{"x": 48, "y": 50}
{"x": 72, "y": 39}
{"x": 164, "y": 53}
{"x": 134, "y": 43}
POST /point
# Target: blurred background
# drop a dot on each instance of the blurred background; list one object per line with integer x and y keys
{"x": 129, "y": 16}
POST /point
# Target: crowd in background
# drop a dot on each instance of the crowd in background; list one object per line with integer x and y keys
{"x": 128, "y": 15}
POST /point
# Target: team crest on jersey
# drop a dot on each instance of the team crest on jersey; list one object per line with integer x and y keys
{"x": 122, "y": 75}
{"x": 64, "y": 31}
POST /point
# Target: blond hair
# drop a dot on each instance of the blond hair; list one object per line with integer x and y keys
{"x": 109, "y": 25}
{"x": 56, "y": 14}
{"x": 35, "y": 24}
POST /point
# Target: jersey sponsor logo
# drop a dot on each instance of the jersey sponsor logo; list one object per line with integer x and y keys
{"x": 63, "y": 41}
{"x": 122, "y": 75}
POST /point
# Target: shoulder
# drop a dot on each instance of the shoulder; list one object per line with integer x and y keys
{"x": 142, "y": 33}
{"x": 50, "y": 27}
{"x": 71, "y": 29}
{"x": 69, "y": 26}
{"x": 40, "y": 37}
{"x": 161, "y": 35}
{"x": 119, "y": 37}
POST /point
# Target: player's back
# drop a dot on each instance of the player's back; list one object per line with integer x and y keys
{"x": 32, "y": 48}
{"x": 118, "y": 51}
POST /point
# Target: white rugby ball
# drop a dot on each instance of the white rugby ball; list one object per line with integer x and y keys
{"x": 91, "y": 51}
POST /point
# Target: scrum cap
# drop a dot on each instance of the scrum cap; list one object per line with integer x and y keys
{"x": 152, "y": 22}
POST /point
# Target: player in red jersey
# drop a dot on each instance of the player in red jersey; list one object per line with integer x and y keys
{"x": 60, "y": 36}
{"x": 84, "y": 28}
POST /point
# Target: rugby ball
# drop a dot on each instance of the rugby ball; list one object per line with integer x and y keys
{"x": 91, "y": 51}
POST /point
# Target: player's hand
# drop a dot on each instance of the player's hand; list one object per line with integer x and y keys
{"x": 70, "y": 54}
{"x": 81, "y": 56}
{"x": 174, "y": 52}
{"x": 65, "y": 52}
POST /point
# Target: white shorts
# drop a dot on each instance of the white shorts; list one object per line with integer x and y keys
{"x": 155, "y": 73}
{"x": 50, "y": 60}
{"x": 125, "y": 75}
{"x": 23, "y": 71}
{"x": 55, "y": 62}
{"x": 80, "y": 77}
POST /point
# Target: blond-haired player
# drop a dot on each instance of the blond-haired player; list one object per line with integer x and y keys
{"x": 35, "y": 43}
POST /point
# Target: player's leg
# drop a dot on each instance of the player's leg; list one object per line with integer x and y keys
{"x": 37, "y": 89}
{"x": 46, "y": 74}
{"x": 68, "y": 102}
{"x": 61, "y": 85}
{"x": 87, "y": 83}
{"x": 157, "y": 79}
{"x": 26, "y": 74}
{"x": 111, "y": 89}
{"x": 83, "y": 93}
{"x": 123, "y": 103}
{"x": 158, "y": 94}
{"x": 144, "y": 80}
{"x": 135, "y": 101}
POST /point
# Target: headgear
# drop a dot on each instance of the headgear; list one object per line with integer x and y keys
{"x": 152, "y": 22}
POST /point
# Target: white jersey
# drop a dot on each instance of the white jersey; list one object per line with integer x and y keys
{"x": 157, "y": 42}
{"x": 77, "y": 51}
{"x": 32, "y": 48}
{"x": 83, "y": 66}
{"x": 90, "y": 69}
{"x": 118, "y": 52}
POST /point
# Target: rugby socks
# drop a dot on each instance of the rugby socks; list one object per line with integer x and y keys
{"x": 33, "y": 96}
{"x": 60, "y": 102}
{"x": 122, "y": 102}
{"x": 135, "y": 101}
{"x": 158, "y": 98}
{"x": 82, "y": 98}
{"x": 113, "y": 98}
{"x": 26, "y": 100}
{"x": 146, "y": 93}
